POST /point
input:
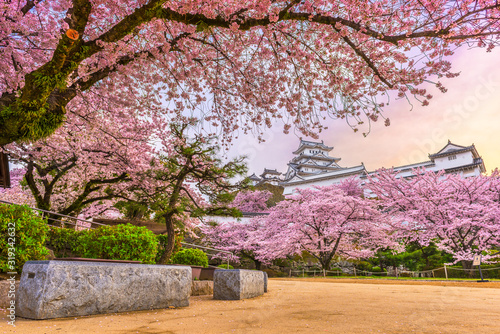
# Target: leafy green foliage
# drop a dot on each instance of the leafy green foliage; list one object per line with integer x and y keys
{"x": 119, "y": 242}
{"x": 23, "y": 237}
{"x": 378, "y": 270}
{"x": 133, "y": 210}
{"x": 415, "y": 258}
{"x": 63, "y": 241}
{"x": 191, "y": 257}
{"x": 225, "y": 266}
{"x": 162, "y": 245}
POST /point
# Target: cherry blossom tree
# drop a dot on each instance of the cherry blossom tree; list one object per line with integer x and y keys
{"x": 325, "y": 222}
{"x": 86, "y": 164}
{"x": 460, "y": 215}
{"x": 252, "y": 201}
{"x": 233, "y": 64}
{"x": 244, "y": 239}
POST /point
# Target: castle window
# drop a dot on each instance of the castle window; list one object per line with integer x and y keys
{"x": 452, "y": 157}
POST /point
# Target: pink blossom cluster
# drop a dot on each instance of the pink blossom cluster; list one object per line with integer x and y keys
{"x": 323, "y": 221}
{"x": 461, "y": 215}
{"x": 236, "y": 64}
{"x": 252, "y": 201}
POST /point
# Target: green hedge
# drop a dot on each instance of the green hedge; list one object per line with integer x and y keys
{"x": 378, "y": 270}
{"x": 119, "y": 242}
{"x": 66, "y": 242}
{"x": 225, "y": 266}
{"x": 191, "y": 257}
{"x": 23, "y": 237}
{"x": 63, "y": 241}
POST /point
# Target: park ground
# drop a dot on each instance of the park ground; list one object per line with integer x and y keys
{"x": 309, "y": 305}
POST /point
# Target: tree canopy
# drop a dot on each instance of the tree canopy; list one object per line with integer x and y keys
{"x": 460, "y": 215}
{"x": 233, "y": 64}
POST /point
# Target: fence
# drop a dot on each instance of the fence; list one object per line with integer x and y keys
{"x": 446, "y": 272}
{"x": 55, "y": 219}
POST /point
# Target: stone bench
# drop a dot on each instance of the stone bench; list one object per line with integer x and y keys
{"x": 235, "y": 284}
{"x": 202, "y": 288}
{"x": 55, "y": 289}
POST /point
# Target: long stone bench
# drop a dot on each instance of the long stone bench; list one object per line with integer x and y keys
{"x": 235, "y": 284}
{"x": 55, "y": 289}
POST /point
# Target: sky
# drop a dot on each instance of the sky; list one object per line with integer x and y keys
{"x": 468, "y": 113}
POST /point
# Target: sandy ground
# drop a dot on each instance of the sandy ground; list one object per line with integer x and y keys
{"x": 308, "y": 306}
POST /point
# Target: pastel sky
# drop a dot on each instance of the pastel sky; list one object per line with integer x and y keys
{"x": 469, "y": 113}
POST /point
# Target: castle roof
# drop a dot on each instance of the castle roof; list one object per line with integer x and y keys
{"x": 312, "y": 144}
{"x": 343, "y": 172}
{"x": 451, "y": 149}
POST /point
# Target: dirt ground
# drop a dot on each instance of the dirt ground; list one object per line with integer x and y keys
{"x": 312, "y": 305}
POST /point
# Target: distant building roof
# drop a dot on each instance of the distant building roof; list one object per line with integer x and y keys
{"x": 270, "y": 171}
{"x": 451, "y": 149}
{"x": 325, "y": 176}
{"x": 254, "y": 177}
{"x": 311, "y": 144}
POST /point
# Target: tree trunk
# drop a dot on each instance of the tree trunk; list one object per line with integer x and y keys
{"x": 258, "y": 264}
{"x": 169, "y": 247}
{"x": 466, "y": 264}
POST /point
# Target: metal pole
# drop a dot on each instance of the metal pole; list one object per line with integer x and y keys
{"x": 481, "y": 273}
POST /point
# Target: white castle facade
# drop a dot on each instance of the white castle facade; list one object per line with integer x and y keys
{"x": 313, "y": 165}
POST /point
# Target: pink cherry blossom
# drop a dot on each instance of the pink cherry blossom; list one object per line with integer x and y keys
{"x": 461, "y": 215}
{"x": 236, "y": 65}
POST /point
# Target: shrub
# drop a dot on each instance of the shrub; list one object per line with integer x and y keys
{"x": 274, "y": 273}
{"x": 63, "y": 241}
{"x": 225, "y": 266}
{"x": 191, "y": 257}
{"x": 378, "y": 270}
{"x": 162, "y": 243}
{"x": 363, "y": 265}
{"x": 23, "y": 231}
{"x": 119, "y": 242}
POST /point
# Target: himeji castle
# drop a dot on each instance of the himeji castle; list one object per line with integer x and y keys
{"x": 313, "y": 165}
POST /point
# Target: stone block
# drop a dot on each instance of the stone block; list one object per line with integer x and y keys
{"x": 265, "y": 281}
{"x": 202, "y": 288}
{"x": 55, "y": 289}
{"x": 235, "y": 284}
{"x": 7, "y": 288}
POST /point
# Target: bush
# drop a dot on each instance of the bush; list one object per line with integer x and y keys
{"x": 363, "y": 265}
{"x": 63, "y": 241}
{"x": 274, "y": 273}
{"x": 191, "y": 257}
{"x": 378, "y": 270}
{"x": 119, "y": 242}
{"x": 162, "y": 243}
{"x": 225, "y": 266}
{"x": 23, "y": 237}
